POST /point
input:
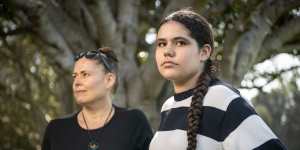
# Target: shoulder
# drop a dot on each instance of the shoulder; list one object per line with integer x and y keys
{"x": 61, "y": 122}
{"x": 171, "y": 103}
{"x": 168, "y": 103}
{"x": 220, "y": 96}
{"x": 134, "y": 119}
{"x": 130, "y": 113}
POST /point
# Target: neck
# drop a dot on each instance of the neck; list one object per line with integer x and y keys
{"x": 97, "y": 110}
{"x": 97, "y": 106}
{"x": 184, "y": 85}
{"x": 96, "y": 115}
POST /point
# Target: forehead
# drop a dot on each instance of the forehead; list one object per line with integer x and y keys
{"x": 172, "y": 29}
{"x": 84, "y": 64}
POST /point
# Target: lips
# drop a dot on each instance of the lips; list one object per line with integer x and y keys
{"x": 168, "y": 64}
{"x": 79, "y": 91}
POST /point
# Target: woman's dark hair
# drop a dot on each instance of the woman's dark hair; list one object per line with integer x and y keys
{"x": 201, "y": 31}
{"x": 104, "y": 56}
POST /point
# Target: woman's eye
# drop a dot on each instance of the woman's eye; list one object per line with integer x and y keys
{"x": 85, "y": 75}
{"x": 74, "y": 76}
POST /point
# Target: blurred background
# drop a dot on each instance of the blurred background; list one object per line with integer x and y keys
{"x": 257, "y": 44}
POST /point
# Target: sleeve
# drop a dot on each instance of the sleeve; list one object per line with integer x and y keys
{"x": 46, "y": 143}
{"x": 242, "y": 128}
{"x": 143, "y": 132}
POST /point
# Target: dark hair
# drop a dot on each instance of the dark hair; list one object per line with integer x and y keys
{"x": 104, "y": 56}
{"x": 201, "y": 31}
{"x": 198, "y": 26}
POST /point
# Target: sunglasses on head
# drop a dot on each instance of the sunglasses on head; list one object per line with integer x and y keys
{"x": 95, "y": 54}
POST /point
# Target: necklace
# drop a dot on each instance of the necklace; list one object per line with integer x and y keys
{"x": 93, "y": 143}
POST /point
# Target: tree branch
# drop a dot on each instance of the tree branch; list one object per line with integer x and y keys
{"x": 250, "y": 42}
{"x": 174, "y": 5}
{"x": 128, "y": 25}
{"x": 290, "y": 48}
{"x": 78, "y": 12}
{"x": 278, "y": 38}
{"x": 269, "y": 77}
{"x": 71, "y": 30}
{"x": 105, "y": 22}
{"x": 19, "y": 30}
{"x": 217, "y": 9}
{"x": 236, "y": 25}
{"x": 56, "y": 28}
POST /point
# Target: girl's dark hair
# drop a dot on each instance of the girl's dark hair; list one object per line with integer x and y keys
{"x": 201, "y": 31}
{"x": 104, "y": 56}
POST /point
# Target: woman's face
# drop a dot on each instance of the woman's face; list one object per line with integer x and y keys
{"x": 90, "y": 82}
{"x": 178, "y": 56}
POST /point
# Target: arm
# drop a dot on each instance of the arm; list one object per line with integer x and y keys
{"x": 46, "y": 140}
{"x": 242, "y": 128}
{"x": 143, "y": 133}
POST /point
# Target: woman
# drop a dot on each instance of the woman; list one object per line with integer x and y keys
{"x": 204, "y": 113}
{"x": 99, "y": 125}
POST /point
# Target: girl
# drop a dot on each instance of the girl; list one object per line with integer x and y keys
{"x": 204, "y": 113}
{"x": 99, "y": 125}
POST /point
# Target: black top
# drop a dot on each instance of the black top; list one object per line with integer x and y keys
{"x": 127, "y": 130}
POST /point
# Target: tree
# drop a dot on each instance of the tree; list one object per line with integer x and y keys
{"x": 40, "y": 37}
{"x": 280, "y": 109}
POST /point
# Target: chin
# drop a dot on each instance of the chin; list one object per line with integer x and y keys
{"x": 81, "y": 101}
{"x": 170, "y": 75}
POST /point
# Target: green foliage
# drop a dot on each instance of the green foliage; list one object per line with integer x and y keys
{"x": 26, "y": 95}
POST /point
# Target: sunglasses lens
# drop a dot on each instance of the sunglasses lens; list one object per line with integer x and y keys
{"x": 91, "y": 54}
{"x": 105, "y": 62}
{"x": 97, "y": 55}
{"x": 79, "y": 55}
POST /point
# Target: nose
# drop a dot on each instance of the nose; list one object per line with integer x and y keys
{"x": 169, "y": 51}
{"x": 76, "y": 82}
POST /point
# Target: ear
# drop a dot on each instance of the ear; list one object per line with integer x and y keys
{"x": 110, "y": 80}
{"x": 205, "y": 52}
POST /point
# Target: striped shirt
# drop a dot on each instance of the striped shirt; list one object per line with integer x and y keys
{"x": 229, "y": 122}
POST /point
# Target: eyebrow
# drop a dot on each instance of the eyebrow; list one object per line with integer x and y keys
{"x": 180, "y": 38}
{"x": 174, "y": 38}
{"x": 83, "y": 71}
{"x": 161, "y": 39}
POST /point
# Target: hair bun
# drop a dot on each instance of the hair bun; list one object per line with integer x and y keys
{"x": 109, "y": 53}
{"x": 105, "y": 49}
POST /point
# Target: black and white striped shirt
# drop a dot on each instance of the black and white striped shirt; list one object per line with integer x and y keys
{"x": 229, "y": 122}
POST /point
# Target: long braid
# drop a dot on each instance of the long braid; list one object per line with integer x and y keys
{"x": 196, "y": 108}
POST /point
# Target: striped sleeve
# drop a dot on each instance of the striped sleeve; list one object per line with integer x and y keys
{"x": 240, "y": 126}
{"x": 242, "y": 129}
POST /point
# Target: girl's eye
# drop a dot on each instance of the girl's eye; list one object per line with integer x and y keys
{"x": 161, "y": 44}
{"x": 180, "y": 43}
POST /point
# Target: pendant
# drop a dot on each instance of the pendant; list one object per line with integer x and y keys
{"x": 93, "y": 145}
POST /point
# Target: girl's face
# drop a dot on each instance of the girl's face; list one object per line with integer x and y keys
{"x": 178, "y": 56}
{"x": 90, "y": 82}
